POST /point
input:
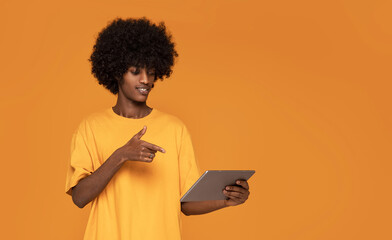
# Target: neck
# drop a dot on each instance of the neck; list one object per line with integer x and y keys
{"x": 131, "y": 109}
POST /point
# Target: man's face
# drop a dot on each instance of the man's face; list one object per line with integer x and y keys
{"x": 137, "y": 84}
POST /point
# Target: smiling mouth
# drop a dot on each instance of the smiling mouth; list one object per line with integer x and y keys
{"x": 143, "y": 90}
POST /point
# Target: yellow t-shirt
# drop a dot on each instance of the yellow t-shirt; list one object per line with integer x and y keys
{"x": 142, "y": 200}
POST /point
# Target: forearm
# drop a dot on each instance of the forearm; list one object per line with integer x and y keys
{"x": 201, "y": 207}
{"x": 90, "y": 187}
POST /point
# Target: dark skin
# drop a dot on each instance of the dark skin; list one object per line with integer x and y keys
{"x": 131, "y": 103}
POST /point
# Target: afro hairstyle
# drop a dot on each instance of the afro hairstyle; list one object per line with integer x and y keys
{"x": 131, "y": 42}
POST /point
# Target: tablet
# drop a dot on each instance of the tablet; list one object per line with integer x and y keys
{"x": 211, "y": 184}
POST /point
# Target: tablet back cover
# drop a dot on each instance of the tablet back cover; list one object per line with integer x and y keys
{"x": 211, "y": 184}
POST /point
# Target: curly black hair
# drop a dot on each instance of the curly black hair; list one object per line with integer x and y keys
{"x": 131, "y": 42}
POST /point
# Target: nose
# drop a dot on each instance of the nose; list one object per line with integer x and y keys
{"x": 143, "y": 76}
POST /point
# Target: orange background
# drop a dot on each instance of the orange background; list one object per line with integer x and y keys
{"x": 300, "y": 91}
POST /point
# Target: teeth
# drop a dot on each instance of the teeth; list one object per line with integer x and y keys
{"x": 143, "y": 89}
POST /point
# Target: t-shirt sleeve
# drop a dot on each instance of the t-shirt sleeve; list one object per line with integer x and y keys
{"x": 80, "y": 164}
{"x": 189, "y": 170}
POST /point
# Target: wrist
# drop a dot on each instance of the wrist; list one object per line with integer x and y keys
{"x": 222, "y": 204}
{"x": 118, "y": 157}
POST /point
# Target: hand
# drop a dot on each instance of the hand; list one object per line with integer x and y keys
{"x": 139, "y": 150}
{"x": 237, "y": 194}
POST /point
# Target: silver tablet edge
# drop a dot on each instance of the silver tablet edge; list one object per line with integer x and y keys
{"x": 189, "y": 190}
{"x": 205, "y": 173}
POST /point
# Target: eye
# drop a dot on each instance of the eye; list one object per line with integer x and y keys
{"x": 135, "y": 71}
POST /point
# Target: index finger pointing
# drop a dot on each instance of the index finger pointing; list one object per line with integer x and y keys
{"x": 153, "y": 147}
{"x": 243, "y": 183}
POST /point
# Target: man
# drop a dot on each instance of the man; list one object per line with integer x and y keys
{"x": 134, "y": 188}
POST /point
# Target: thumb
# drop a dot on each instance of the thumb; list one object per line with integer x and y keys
{"x": 141, "y": 133}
